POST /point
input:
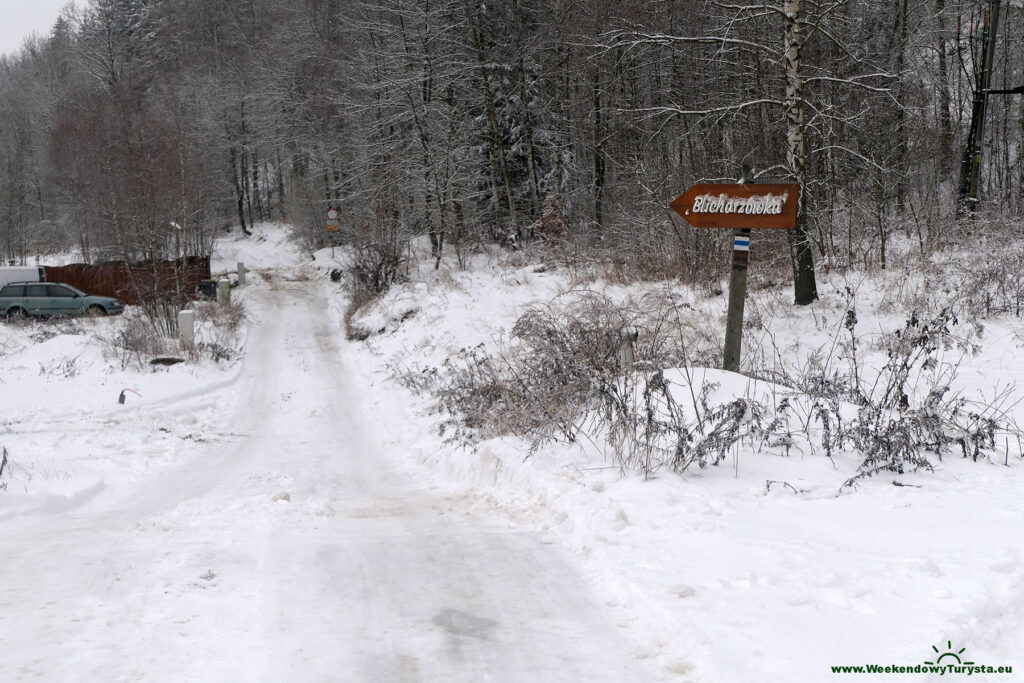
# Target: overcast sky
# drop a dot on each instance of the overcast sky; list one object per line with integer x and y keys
{"x": 18, "y": 18}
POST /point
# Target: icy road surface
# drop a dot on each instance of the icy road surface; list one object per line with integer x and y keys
{"x": 283, "y": 546}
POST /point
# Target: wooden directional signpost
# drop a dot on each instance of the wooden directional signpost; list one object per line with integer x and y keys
{"x": 740, "y": 206}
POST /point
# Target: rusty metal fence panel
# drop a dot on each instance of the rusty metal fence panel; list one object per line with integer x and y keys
{"x": 135, "y": 283}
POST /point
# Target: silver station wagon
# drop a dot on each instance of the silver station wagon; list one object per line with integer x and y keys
{"x": 21, "y": 299}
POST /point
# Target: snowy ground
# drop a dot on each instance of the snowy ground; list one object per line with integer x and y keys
{"x": 718, "y": 578}
{"x": 296, "y": 516}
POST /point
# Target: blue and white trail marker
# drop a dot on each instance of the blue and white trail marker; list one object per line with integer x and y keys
{"x": 741, "y": 249}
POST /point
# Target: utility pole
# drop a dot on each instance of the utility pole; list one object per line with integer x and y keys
{"x": 970, "y": 164}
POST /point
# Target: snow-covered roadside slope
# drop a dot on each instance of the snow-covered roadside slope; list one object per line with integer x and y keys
{"x": 721, "y": 576}
{"x": 66, "y": 435}
{"x": 64, "y": 431}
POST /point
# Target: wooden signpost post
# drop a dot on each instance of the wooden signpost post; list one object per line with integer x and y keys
{"x": 740, "y": 206}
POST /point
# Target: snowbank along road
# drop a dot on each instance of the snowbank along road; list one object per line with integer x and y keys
{"x": 283, "y": 545}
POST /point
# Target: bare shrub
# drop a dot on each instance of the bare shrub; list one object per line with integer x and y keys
{"x": 224, "y": 319}
{"x": 375, "y": 267}
{"x": 993, "y": 284}
{"x": 217, "y": 330}
{"x": 162, "y": 313}
{"x": 567, "y": 375}
{"x": 539, "y": 387}
{"x": 133, "y": 343}
{"x": 49, "y": 328}
{"x": 906, "y": 411}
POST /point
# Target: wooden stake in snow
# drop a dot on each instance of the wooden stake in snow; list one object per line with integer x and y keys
{"x": 737, "y": 297}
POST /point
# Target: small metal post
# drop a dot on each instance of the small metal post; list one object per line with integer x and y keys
{"x": 737, "y": 296}
{"x": 241, "y": 273}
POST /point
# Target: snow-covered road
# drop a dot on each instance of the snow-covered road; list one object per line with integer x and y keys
{"x": 285, "y": 545}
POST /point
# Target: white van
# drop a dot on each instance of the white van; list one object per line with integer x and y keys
{"x": 21, "y": 274}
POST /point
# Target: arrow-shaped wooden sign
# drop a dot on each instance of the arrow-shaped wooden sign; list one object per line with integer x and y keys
{"x": 739, "y": 205}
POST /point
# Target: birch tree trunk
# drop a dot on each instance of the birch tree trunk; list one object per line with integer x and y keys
{"x": 805, "y": 288}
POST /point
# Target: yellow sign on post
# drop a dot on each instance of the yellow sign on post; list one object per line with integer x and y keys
{"x": 332, "y": 221}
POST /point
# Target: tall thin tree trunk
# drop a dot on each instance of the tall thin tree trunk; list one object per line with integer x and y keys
{"x": 598, "y": 153}
{"x": 492, "y": 169}
{"x": 560, "y": 96}
{"x": 38, "y": 187}
{"x": 945, "y": 152}
{"x": 183, "y": 188}
{"x": 804, "y": 285}
{"x": 902, "y": 143}
{"x": 280, "y": 189}
{"x": 1020, "y": 157}
{"x": 243, "y": 169}
{"x": 257, "y": 197}
{"x": 239, "y": 193}
{"x": 244, "y": 179}
{"x": 268, "y": 182}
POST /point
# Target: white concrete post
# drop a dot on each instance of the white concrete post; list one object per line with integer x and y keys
{"x": 187, "y": 328}
{"x": 627, "y": 353}
{"x": 241, "y": 273}
{"x": 223, "y": 292}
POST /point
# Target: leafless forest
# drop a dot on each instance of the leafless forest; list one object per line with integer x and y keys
{"x": 140, "y": 128}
